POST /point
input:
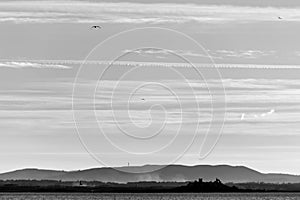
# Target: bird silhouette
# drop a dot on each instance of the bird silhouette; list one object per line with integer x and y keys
{"x": 279, "y": 17}
{"x": 96, "y": 27}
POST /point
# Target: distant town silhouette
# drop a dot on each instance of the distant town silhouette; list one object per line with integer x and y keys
{"x": 197, "y": 186}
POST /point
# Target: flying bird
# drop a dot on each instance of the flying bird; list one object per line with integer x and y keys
{"x": 142, "y": 99}
{"x": 279, "y": 17}
{"x": 96, "y": 27}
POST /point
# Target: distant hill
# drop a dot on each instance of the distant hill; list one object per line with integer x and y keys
{"x": 180, "y": 173}
{"x": 32, "y": 174}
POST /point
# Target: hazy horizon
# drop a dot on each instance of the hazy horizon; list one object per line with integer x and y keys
{"x": 48, "y": 121}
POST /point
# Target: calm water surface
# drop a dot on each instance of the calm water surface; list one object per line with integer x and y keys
{"x": 67, "y": 196}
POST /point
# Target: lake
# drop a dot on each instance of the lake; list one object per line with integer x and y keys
{"x": 151, "y": 196}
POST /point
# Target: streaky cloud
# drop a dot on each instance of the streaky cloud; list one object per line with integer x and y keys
{"x": 139, "y": 13}
{"x": 21, "y": 65}
{"x": 62, "y": 64}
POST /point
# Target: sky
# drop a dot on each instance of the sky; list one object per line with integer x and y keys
{"x": 181, "y": 82}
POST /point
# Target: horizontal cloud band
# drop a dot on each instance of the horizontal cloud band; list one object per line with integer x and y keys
{"x": 28, "y": 64}
{"x": 62, "y": 64}
{"x": 137, "y": 13}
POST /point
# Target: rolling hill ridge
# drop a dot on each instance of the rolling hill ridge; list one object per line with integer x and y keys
{"x": 179, "y": 173}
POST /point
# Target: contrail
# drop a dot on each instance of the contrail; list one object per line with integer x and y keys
{"x": 154, "y": 64}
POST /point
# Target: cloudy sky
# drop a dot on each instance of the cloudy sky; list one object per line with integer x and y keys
{"x": 151, "y": 106}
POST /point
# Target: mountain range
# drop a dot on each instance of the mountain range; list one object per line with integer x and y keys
{"x": 179, "y": 173}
